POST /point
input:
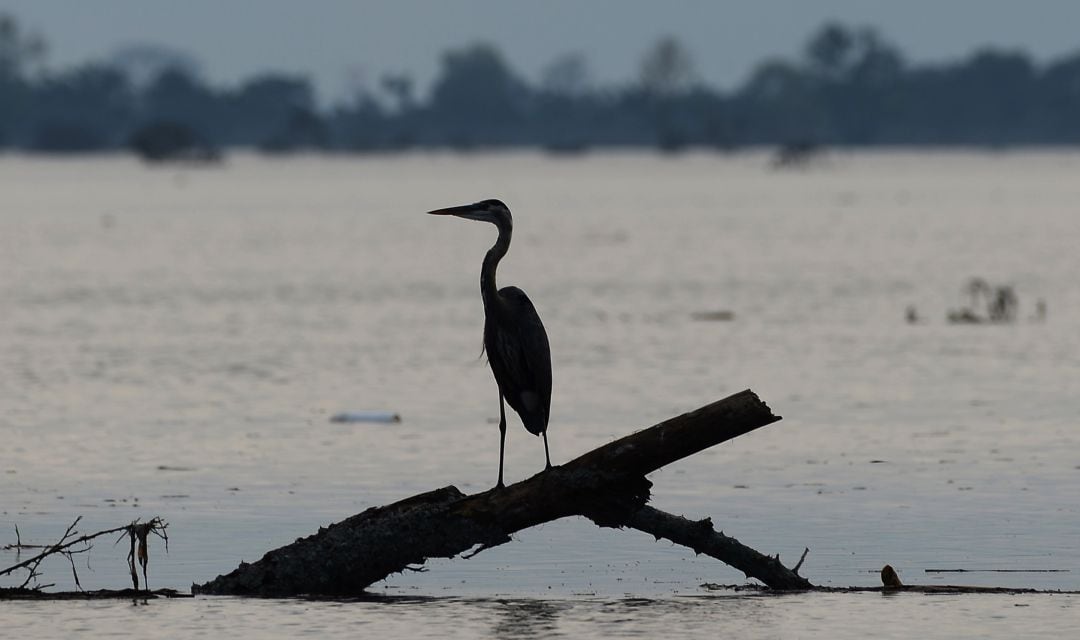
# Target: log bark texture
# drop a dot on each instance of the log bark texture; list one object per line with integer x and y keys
{"x": 607, "y": 485}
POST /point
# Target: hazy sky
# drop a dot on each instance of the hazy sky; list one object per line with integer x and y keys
{"x": 341, "y": 42}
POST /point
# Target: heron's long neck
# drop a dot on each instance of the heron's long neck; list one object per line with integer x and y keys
{"x": 489, "y": 290}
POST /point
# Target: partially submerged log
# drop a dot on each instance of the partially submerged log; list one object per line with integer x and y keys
{"x": 23, "y": 593}
{"x": 607, "y": 485}
{"x": 702, "y": 538}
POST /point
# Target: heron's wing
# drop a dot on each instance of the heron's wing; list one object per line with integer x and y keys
{"x": 536, "y": 353}
{"x": 524, "y": 360}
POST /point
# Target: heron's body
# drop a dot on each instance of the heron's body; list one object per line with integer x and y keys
{"x": 519, "y": 355}
{"x": 514, "y": 337}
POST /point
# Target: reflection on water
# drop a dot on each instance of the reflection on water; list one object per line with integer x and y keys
{"x": 176, "y": 340}
{"x": 840, "y": 616}
{"x": 527, "y": 618}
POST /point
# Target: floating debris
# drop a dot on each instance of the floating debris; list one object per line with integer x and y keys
{"x": 714, "y": 316}
{"x": 996, "y": 570}
{"x": 366, "y": 416}
{"x": 889, "y": 579}
{"x": 1040, "y": 310}
{"x": 990, "y": 304}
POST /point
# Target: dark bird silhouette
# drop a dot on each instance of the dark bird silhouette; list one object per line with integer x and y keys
{"x": 514, "y": 338}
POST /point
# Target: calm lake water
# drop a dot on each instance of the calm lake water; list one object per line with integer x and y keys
{"x": 174, "y": 341}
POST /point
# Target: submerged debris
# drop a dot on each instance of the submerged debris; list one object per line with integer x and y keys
{"x": 714, "y": 316}
{"x": 995, "y": 304}
{"x": 72, "y": 544}
{"x": 366, "y": 416}
{"x": 889, "y": 578}
{"x": 22, "y": 593}
{"x": 138, "y": 532}
{"x": 987, "y": 304}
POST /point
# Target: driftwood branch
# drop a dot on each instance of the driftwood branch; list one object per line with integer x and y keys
{"x": 702, "y": 538}
{"x": 607, "y": 485}
{"x": 71, "y": 543}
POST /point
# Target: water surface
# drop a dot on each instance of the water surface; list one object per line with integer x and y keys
{"x": 175, "y": 340}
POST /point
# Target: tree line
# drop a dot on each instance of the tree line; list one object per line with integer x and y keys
{"x": 849, "y": 86}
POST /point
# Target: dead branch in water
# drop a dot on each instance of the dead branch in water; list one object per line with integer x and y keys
{"x": 606, "y": 485}
{"x": 138, "y": 533}
{"x": 702, "y": 538}
{"x": 72, "y": 544}
{"x": 930, "y": 589}
{"x": 22, "y": 593}
{"x": 891, "y": 584}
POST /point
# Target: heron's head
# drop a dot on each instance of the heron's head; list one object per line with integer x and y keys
{"x": 493, "y": 211}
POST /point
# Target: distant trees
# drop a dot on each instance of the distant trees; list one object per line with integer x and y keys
{"x": 666, "y": 79}
{"x": 565, "y": 105}
{"x": 178, "y": 96}
{"x": 143, "y": 63}
{"x": 84, "y": 109}
{"x": 567, "y": 76}
{"x": 849, "y": 86}
{"x": 273, "y": 109}
{"x": 667, "y": 69}
{"x": 1059, "y": 101}
{"x": 401, "y": 89}
{"x": 829, "y": 50}
{"x": 477, "y": 99}
{"x": 18, "y": 52}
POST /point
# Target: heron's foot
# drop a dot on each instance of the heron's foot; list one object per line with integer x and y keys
{"x": 548, "y": 467}
{"x": 500, "y": 485}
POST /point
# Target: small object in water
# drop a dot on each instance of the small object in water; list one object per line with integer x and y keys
{"x": 1040, "y": 310}
{"x": 796, "y": 153}
{"x": 911, "y": 314}
{"x": 964, "y": 316}
{"x": 989, "y": 304}
{"x": 366, "y": 416}
{"x": 889, "y": 578}
{"x": 714, "y": 316}
{"x": 1003, "y": 305}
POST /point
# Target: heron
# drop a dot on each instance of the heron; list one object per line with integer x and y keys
{"x": 514, "y": 337}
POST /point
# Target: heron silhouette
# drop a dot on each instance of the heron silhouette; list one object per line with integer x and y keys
{"x": 514, "y": 337}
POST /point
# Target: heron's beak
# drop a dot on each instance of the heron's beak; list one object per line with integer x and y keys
{"x": 455, "y": 211}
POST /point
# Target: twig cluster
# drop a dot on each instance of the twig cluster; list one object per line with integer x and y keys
{"x": 72, "y": 543}
{"x": 138, "y": 533}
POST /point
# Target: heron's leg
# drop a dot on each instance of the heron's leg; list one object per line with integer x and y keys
{"x": 502, "y": 439}
{"x": 546, "y": 454}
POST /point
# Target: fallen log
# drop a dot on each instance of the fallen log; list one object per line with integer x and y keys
{"x": 607, "y": 485}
